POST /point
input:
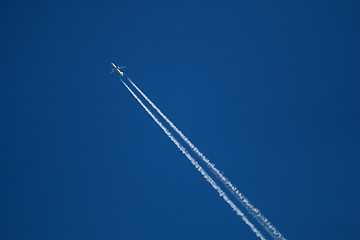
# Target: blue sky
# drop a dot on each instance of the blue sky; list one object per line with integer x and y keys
{"x": 268, "y": 91}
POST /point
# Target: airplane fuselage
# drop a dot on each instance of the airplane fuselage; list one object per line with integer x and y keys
{"x": 118, "y": 69}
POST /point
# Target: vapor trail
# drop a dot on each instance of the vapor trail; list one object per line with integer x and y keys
{"x": 198, "y": 167}
{"x": 242, "y": 199}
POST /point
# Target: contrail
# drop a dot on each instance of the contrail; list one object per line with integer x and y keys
{"x": 243, "y": 200}
{"x": 198, "y": 167}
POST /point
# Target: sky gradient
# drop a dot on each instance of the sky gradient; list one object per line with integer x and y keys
{"x": 269, "y": 92}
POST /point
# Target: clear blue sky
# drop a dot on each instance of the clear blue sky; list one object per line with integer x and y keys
{"x": 270, "y": 92}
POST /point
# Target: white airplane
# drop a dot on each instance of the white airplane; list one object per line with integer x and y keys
{"x": 117, "y": 69}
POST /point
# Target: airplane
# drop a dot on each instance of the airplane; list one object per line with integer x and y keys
{"x": 117, "y": 69}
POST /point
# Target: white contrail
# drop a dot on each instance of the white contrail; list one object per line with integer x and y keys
{"x": 198, "y": 167}
{"x": 243, "y": 200}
